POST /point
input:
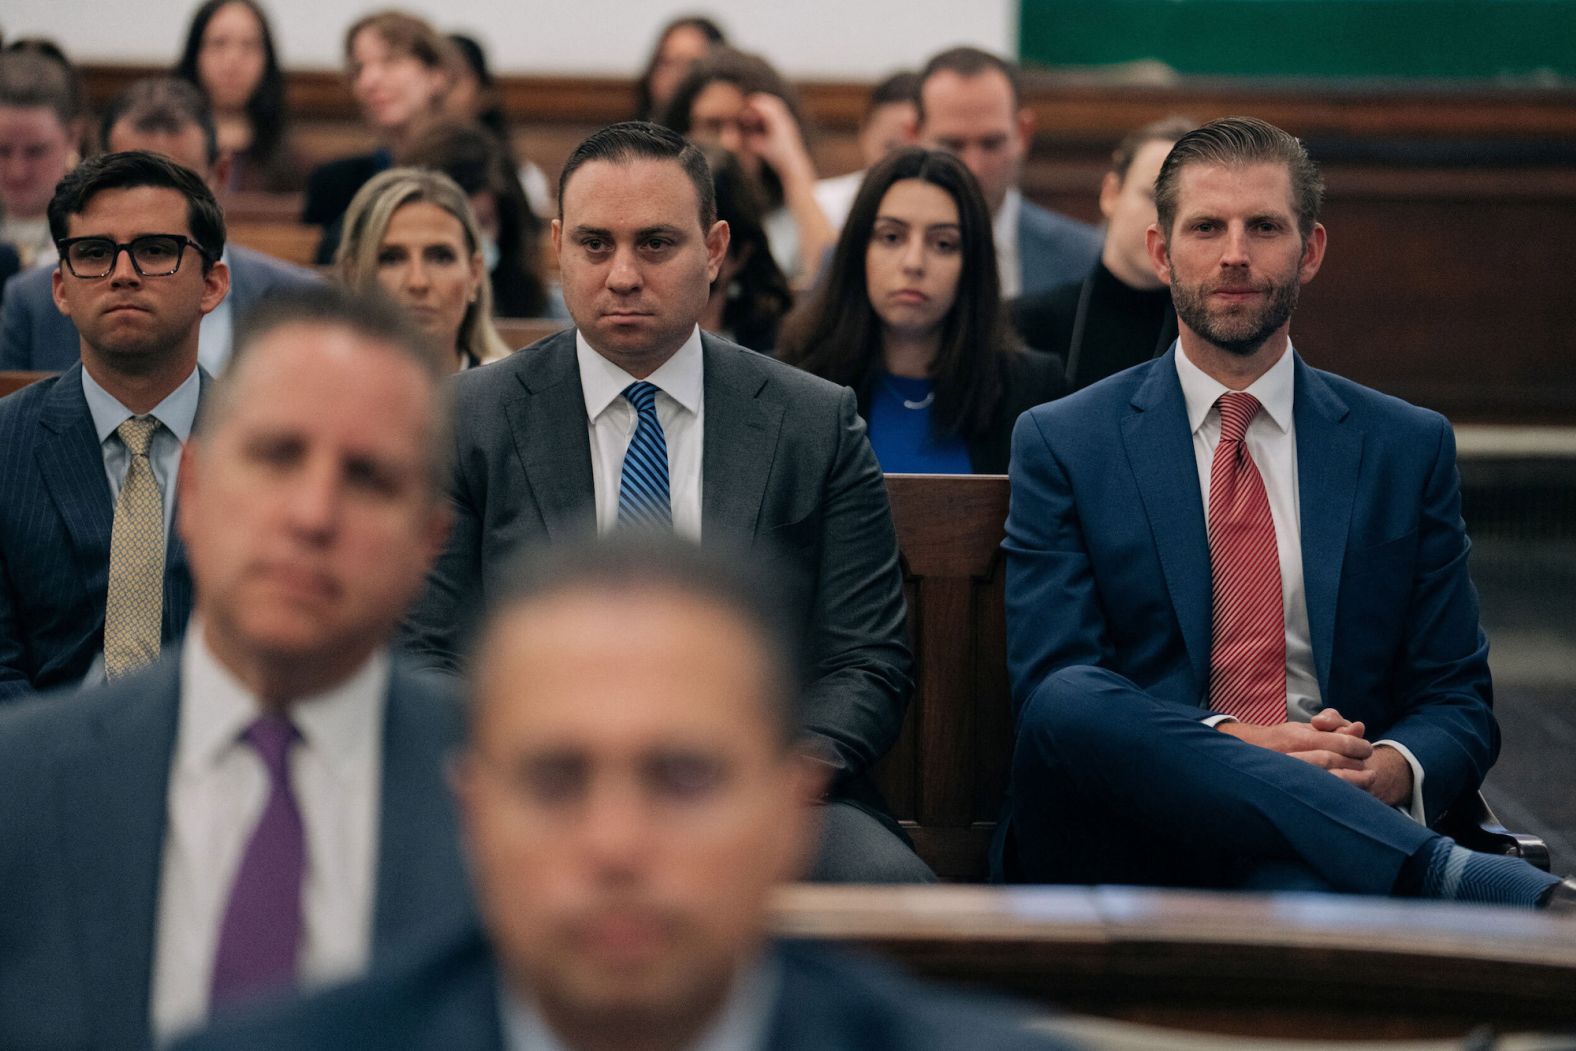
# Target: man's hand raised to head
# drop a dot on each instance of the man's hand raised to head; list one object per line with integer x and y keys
{"x": 1334, "y": 743}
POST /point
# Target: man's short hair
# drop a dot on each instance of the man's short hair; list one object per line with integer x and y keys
{"x": 634, "y": 140}
{"x": 163, "y": 104}
{"x": 902, "y": 86}
{"x": 371, "y": 315}
{"x": 1233, "y": 142}
{"x": 129, "y": 170}
{"x": 1166, "y": 129}
{"x": 30, "y": 78}
{"x": 969, "y": 62}
{"x": 722, "y": 573}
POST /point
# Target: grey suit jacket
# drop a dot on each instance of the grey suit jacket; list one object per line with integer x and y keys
{"x": 35, "y": 336}
{"x": 1054, "y": 249}
{"x": 785, "y": 466}
{"x": 83, "y": 785}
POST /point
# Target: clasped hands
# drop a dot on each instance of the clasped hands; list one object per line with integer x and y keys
{"x": 1337, "y": 745}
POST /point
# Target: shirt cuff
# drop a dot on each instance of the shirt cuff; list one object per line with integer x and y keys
{"x": 1414, "y": 809}
{"x": 1218, "y": 718}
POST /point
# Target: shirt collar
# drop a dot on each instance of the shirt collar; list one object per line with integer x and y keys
{"x": 342, "y": 725}
{"x": 680, "y": 377}
{"x": 177, "y": 411}
{"x": 1005, "y": 225}
{"x": 1273, "y": 390}
{"x": 742, "y": 1025}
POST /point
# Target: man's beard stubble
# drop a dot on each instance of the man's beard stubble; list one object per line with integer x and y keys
{"x": 1242, "y": 333}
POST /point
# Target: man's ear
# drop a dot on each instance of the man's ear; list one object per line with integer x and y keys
{"x": 1159, "y": 254}
{"x": 556, "y": 229}
{"x": 717, "y": 239}
{"x": 216, "y": 285}
{"x": 1312, "y": 254}
{"x": 1110, "y": 193}
{"x": 1025, "y": 121}
{"x": 57, "y": 279}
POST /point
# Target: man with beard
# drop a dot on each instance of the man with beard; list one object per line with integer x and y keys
{"x": 1244, "y": 646}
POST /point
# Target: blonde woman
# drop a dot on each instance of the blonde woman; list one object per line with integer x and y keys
{"x": 411, "y": 232}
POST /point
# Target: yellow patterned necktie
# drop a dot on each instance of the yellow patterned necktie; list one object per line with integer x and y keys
{"x": 135, "y": 605}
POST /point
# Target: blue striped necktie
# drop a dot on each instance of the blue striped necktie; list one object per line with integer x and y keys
{"x": 643, "y": 487}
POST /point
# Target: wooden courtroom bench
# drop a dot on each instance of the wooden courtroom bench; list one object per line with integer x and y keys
{"x": 522, "y": 332}
{"x": 11, "y": 381}
{"x": 1260, "y": 966}
{"x": 287, "y": 239}
{"x": 946, "y": 776}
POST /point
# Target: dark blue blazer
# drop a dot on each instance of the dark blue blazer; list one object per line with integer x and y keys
{"x": 83, "y": 797}
{"x": 36, "y": 336}
{"x": 1108, "y": 559}
{"x": 1053, "y": 249}
{"x": 55, "y": 520}
{"x": 449, "y": 1002}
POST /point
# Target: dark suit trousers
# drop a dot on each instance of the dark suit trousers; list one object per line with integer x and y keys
{"x": 1113, "y": 785}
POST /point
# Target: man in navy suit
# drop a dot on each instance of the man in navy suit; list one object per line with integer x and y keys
{"x": 632, "y": 795}
{"x": 1243, "y": 642}
{"x": 266, "y": 807}
{"x": 137, "y": 302}
{"x": 160, "y": 115}
{"x": 970, "y": 103}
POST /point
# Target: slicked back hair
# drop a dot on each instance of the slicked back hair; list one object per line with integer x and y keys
{"x": 371, "y": 315}
{"x": 969, "y": 62}
{"x": 724, "y": 573}
{"x": 633, "y": 140}
{"x": 1233, "y": 142}
{"x": 129, "y": 170}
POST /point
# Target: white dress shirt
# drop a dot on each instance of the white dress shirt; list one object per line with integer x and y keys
{"x": 611, "y": 420}
{"x": 743, "y": 1024}
{"x": 218, "y": 786}
{"x": 1004, "y": 225}
{"x": 1272, "y": 442}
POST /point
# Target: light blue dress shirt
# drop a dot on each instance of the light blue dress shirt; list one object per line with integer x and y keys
{"x": 177, "y": 412}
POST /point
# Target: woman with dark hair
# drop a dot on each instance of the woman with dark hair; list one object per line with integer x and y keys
{"x": 910, "y": 317}
{"x": 751, "y": 295}
{"x": 681, "y": 43}
{"x": 229, "y": 55}
{"x": 737, "y": 101}
{"x": 510, "y": 231}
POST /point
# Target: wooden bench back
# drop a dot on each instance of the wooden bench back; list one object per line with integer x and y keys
{"x": 11, "y": 381}
{"x": 946, "y": 776}
{"x": 522, "y": 332}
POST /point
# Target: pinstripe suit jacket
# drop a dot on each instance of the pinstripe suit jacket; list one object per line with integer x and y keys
{"x": 55, "y": 520}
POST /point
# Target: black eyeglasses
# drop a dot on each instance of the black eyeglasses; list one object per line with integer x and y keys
{"x": 152, "y": 255}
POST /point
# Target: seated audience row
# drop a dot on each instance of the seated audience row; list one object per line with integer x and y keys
{"x": 169, "y": 117}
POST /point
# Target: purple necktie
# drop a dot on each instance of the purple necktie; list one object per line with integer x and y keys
{"x": 261, "y": 933}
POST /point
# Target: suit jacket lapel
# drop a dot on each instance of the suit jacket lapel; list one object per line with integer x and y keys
{"x": 1159, "y": 449}
{"x": 112, "y": 791}
{"x": 72, "y": 466}
{"x": 549, "y": 427}
{"x": 742, "y": 425}
{"x": 1329, "y": 454}
{"x": 421, "y": 882}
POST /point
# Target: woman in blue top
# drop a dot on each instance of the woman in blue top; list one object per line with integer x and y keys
{"x": 910, "y": 317}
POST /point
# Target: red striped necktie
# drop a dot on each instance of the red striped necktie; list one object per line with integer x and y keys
{"x": 1247, "y": 675}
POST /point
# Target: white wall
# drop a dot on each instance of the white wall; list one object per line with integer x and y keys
{"x": 853, "y": 39}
